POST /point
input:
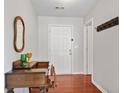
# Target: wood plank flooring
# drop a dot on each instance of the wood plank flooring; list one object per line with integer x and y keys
{"x": 74, "y": 84}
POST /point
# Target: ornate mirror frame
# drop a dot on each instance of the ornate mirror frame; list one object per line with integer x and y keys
{"x": 17, "y": 18}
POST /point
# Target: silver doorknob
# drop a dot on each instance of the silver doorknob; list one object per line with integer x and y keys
{"x": 70, "y": 52}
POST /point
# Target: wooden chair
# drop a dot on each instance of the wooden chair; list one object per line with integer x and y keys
{"x": 51, "y": 81}
{"x": 53, "y": 77}
{"x": 40, "y": 65}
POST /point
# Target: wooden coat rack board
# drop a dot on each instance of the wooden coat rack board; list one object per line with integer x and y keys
{"x": 106, "y": 25}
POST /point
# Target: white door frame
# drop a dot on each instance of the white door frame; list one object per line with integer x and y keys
{"x": 49, "y": 50}
{"x": 86, "y": 63}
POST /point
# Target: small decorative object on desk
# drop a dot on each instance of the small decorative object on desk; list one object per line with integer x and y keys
{"x": 23, "y": 60}
{"x": 29, "y": 57}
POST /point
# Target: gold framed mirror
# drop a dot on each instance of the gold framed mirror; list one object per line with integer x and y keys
{"x": 19, "y": 34}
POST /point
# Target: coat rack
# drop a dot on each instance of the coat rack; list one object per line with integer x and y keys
{"x": 108, "y": 24}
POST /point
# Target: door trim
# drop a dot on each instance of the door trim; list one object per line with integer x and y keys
{"x": 88, "y": 23}
{"x": 49, "y": 51}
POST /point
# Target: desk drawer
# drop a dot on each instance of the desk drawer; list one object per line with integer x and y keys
{"x": 25, "y": 80}
{"x": 40, "y": 79}
{"x": 42, "y": 64}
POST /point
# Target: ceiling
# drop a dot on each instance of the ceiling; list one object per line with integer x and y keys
{"x": 72, "y": 8}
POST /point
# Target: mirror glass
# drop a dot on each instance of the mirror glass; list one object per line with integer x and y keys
{"x": 19, "y": 34}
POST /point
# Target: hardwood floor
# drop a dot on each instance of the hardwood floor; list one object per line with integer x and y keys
{"x": 74, "y": 84}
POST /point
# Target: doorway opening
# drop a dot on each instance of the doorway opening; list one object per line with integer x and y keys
{"x": 88, "y": 47}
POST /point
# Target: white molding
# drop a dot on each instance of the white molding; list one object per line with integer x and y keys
{"x": 74, "y": 73}
{"x": 99, "y": 87}
{"x": 77, "y": 72}
{"x": 86, "y": 62}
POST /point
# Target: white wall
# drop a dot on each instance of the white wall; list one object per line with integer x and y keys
{"x": 106, "y": 62}
{"x": 22, "y": 8}
{"x": 77, "y": 23}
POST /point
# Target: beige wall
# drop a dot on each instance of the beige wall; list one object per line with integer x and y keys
{"x": 19, "y": 8}
{"x": 106, "y": 44}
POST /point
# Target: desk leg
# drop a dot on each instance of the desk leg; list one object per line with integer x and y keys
{"x": 10, "y": 90}
{"x": 43, "y": 90}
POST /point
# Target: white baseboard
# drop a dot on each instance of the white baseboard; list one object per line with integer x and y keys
{"x": 74, "y": 73}
{"x": 77, "y": 73}
{"x": 99, "y": 87}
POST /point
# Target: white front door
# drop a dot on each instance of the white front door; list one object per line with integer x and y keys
{"x": 60, "y": 48}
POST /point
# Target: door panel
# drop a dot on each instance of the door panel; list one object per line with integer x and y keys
{"x": 60, "y": 47}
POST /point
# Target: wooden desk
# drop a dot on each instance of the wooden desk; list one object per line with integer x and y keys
{"x": 26, "y": 78}
{"x": 31, "y": 77}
